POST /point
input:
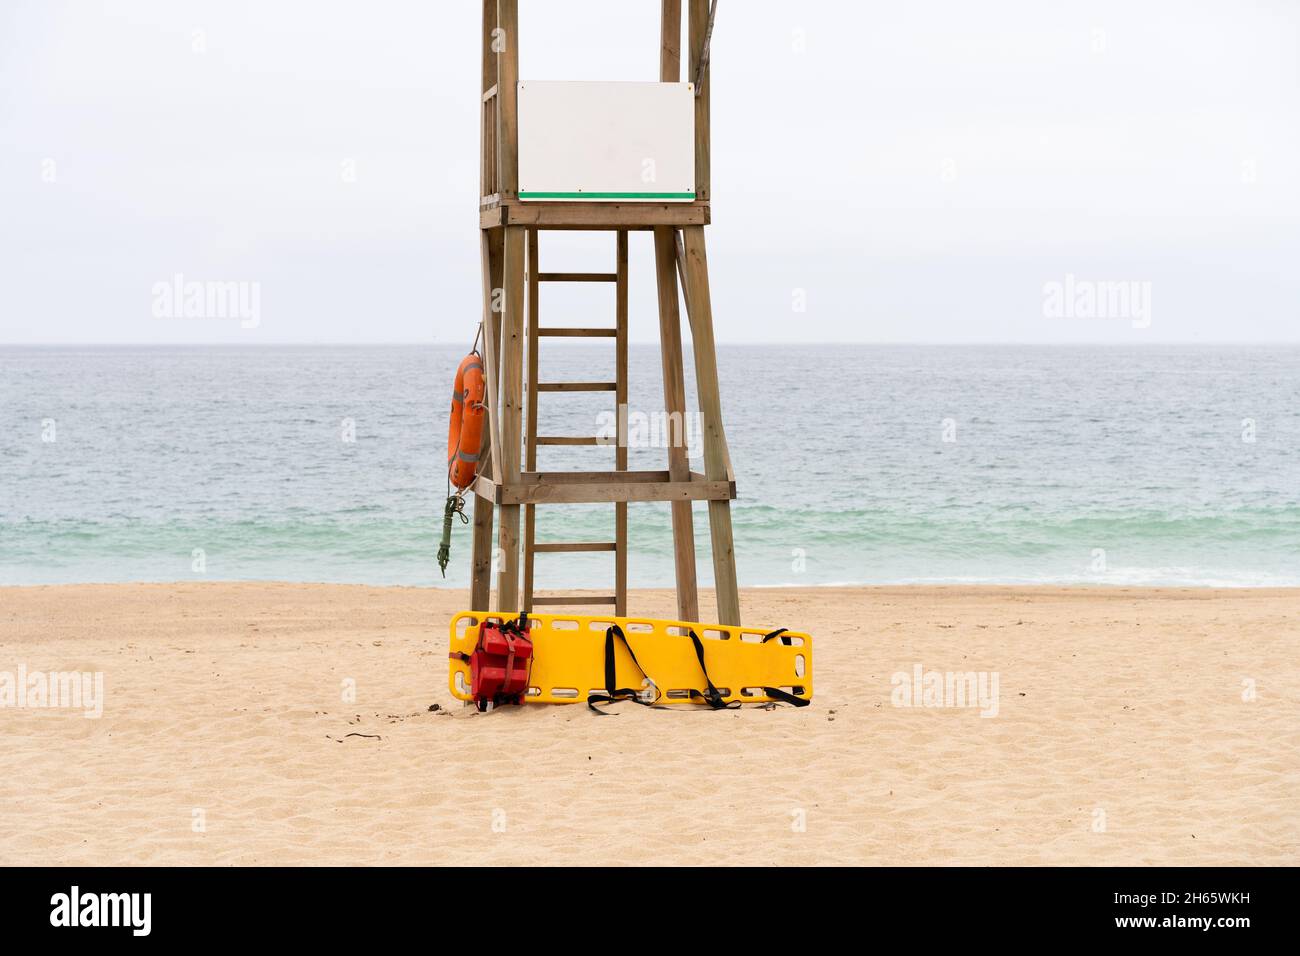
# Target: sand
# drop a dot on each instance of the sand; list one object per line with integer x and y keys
{"x": 1123, "y": 735}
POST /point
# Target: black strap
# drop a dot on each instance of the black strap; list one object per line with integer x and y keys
{"x": 777, "y": 694}
{"x": 713, "y": 697}
{"x": 711, "y": 694}
{"x": 774, "y": 692}
{"x": 614, "y": 694}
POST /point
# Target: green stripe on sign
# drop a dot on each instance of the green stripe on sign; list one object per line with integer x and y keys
{"x": 530, "y": 195}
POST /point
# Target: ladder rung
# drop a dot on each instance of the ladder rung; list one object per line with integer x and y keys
{"x": 573, "y": 440}
{"x": 578, "y": 333}
{"x": 577, "y": 277}
{"x": 577, "y": 386}
{"x": 574, "y": 599}
{"x": 569, "y": 546}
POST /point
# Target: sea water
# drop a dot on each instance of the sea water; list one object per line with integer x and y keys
{"x": 854, "y": 464}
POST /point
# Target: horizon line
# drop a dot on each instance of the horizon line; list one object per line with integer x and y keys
{"x": 653, "y": 342}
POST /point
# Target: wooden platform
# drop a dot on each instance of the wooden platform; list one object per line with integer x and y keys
{"x": 494, "y": 211}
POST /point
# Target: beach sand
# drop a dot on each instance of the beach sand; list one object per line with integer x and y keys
{"x": 1122, "y": 736}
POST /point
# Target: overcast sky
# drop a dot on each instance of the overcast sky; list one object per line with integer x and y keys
{"x": 912, "y": 172}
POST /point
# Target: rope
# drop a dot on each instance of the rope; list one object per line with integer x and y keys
{"x": 455, "y": 506}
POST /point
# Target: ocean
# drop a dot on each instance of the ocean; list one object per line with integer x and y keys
{"x": 854, "y": 465}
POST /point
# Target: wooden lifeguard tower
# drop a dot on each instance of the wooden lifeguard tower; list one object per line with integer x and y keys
{"x": 508, "y": 486}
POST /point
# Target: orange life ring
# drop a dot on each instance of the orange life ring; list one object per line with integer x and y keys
{"x": 465, "y": 436}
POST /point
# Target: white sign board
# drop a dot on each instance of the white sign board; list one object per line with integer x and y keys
{"x": 613, "y": 142}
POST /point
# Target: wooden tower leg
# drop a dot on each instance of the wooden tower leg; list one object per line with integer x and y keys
{"x": 717, "y": 459}
{"x": 620, "y": 402}
{"x": 510, "y": 417}
{"x": 480, "y": 588}
{"x": 530, "y": 431}
{"x": 670, "y": 343}
{"x": 679, "y": 468}
{"x": 480, "y": 594}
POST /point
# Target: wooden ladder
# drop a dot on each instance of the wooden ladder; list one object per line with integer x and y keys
{"x": 535, "y": 388}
